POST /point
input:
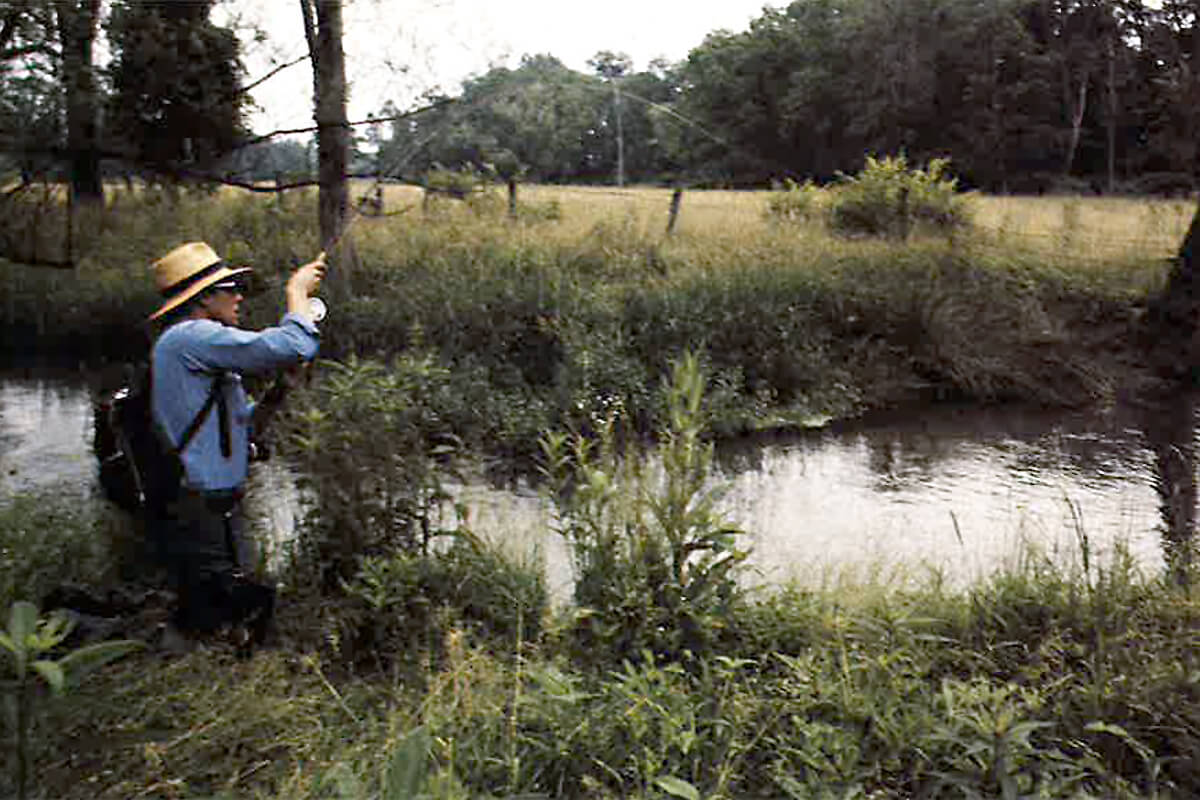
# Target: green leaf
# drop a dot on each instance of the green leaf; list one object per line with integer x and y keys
{"x": 407, "y": 769}
{"x": 80, "y": 662}
{"x": 677, "y": 787}
{"x": 1144, "y": 752}
{"x": 22, "y": 622}
{"x": 51, "y": 631}
{"x": 52, "y": 673}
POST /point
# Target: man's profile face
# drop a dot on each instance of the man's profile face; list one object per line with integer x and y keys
{"x": 222, "y": 304}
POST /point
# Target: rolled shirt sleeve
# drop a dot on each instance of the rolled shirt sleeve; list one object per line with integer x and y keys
{"x": 220, "y": 347}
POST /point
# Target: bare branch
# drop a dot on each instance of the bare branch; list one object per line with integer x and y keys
{"x": 272, "y": 74}
{"x": 369, "y": 121}
{"x": 227, "y": 181}
{"x": 310, "y": 29}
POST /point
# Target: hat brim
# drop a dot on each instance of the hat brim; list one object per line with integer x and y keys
{"x": 222, "y": 274}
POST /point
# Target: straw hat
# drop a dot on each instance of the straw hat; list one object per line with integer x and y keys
{"x": 186, "y": 271}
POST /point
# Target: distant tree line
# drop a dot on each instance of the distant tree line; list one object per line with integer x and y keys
{"x": 1022, "y": 95}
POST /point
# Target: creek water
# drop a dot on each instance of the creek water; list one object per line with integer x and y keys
{"x": 960, "y": 490}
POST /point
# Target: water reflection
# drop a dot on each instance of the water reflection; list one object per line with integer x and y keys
{"x": 45, "y": 428}
{"x": 958, "y": 490}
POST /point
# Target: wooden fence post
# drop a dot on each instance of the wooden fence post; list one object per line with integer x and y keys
{"x": 512, "y": 198}
{"x": 676, "y": 198}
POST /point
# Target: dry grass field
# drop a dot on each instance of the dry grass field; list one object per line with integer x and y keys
{"x": 1069, "y": 230}
{"x": 1066, "y": 229}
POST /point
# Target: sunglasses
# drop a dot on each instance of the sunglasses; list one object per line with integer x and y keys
{"x": 231, "y": 286}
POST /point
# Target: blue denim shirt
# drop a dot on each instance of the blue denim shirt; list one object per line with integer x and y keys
{"x": 186, "y": 358}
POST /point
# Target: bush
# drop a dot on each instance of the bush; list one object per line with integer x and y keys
{"x": 373, "y": 447}
{"x": 48, "y": 540}
{"x": 795, "y": 202}
{"x": 404, "y": 604}
{"x": 655, "y": 563}
{"x": 887, "y": 197}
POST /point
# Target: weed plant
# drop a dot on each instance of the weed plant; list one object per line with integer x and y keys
{"x": 654, "y": 561}
{"x": 401, "y": 611}
{"x": 385, "y": 560}
{"x": 27, "y": 642}
{"x": 796, "y": 202}
{"x": 49, "y": 539}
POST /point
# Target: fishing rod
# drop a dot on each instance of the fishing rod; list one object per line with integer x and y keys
{"x": 317, "y": 309}
{"x": 266, "y": 408}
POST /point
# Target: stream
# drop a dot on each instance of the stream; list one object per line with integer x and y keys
{"x": 959, "y": 491}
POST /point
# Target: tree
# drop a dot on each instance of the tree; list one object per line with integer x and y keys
{"x": 271, "y": 160}
{"x": 78, "y": 24}
{"x": 323, "y": 32}
{"x": 612, "y": 67}
{"x": 177, "y": 104}
{"x": 542, "y": 120}
{"x": 30, "y": 101}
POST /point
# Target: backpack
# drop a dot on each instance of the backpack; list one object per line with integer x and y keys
{"x": 139, "y": 470}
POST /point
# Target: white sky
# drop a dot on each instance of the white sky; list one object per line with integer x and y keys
{"x": 396, "y": 49}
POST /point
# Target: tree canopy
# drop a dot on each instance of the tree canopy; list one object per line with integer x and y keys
{"x": 1020, "y": 94}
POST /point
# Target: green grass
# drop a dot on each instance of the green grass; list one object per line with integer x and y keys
{"x": 473, "y": 335}
{"x": 1032, "y": 682}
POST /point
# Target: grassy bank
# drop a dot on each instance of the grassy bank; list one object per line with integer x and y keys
{"x": 582, "y": 302}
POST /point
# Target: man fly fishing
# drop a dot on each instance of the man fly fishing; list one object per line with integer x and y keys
{"x": 204, "y": 419}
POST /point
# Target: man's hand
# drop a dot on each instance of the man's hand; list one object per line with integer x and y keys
{"x": 304, "y": 283}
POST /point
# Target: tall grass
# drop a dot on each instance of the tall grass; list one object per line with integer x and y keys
{"x": 467, "y": 328}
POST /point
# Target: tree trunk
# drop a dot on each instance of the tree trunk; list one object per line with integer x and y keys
{"x": 324, "y": 32}
{"x": 1194, "y": 106}
{"x": 77, "y": 26}
{"x": 1173, "y": 312}
{"x": 1077, "y": 111}
{"x": 1112, "y": 117}
{"x": 620, "y": 133}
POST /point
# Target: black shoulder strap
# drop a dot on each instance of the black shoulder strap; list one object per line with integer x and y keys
{"x": 215, "y": 395}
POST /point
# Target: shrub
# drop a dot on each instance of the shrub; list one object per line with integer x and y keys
{"x": 654, "y": 560}
{"x": 887, "y": 197}
{"x": 373, "y": 447}
{"x": 795, "y": 202}
{"x": 409, "y": 603}
{"x": 459, "y": 183}
{"x": 47, "y": 540}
